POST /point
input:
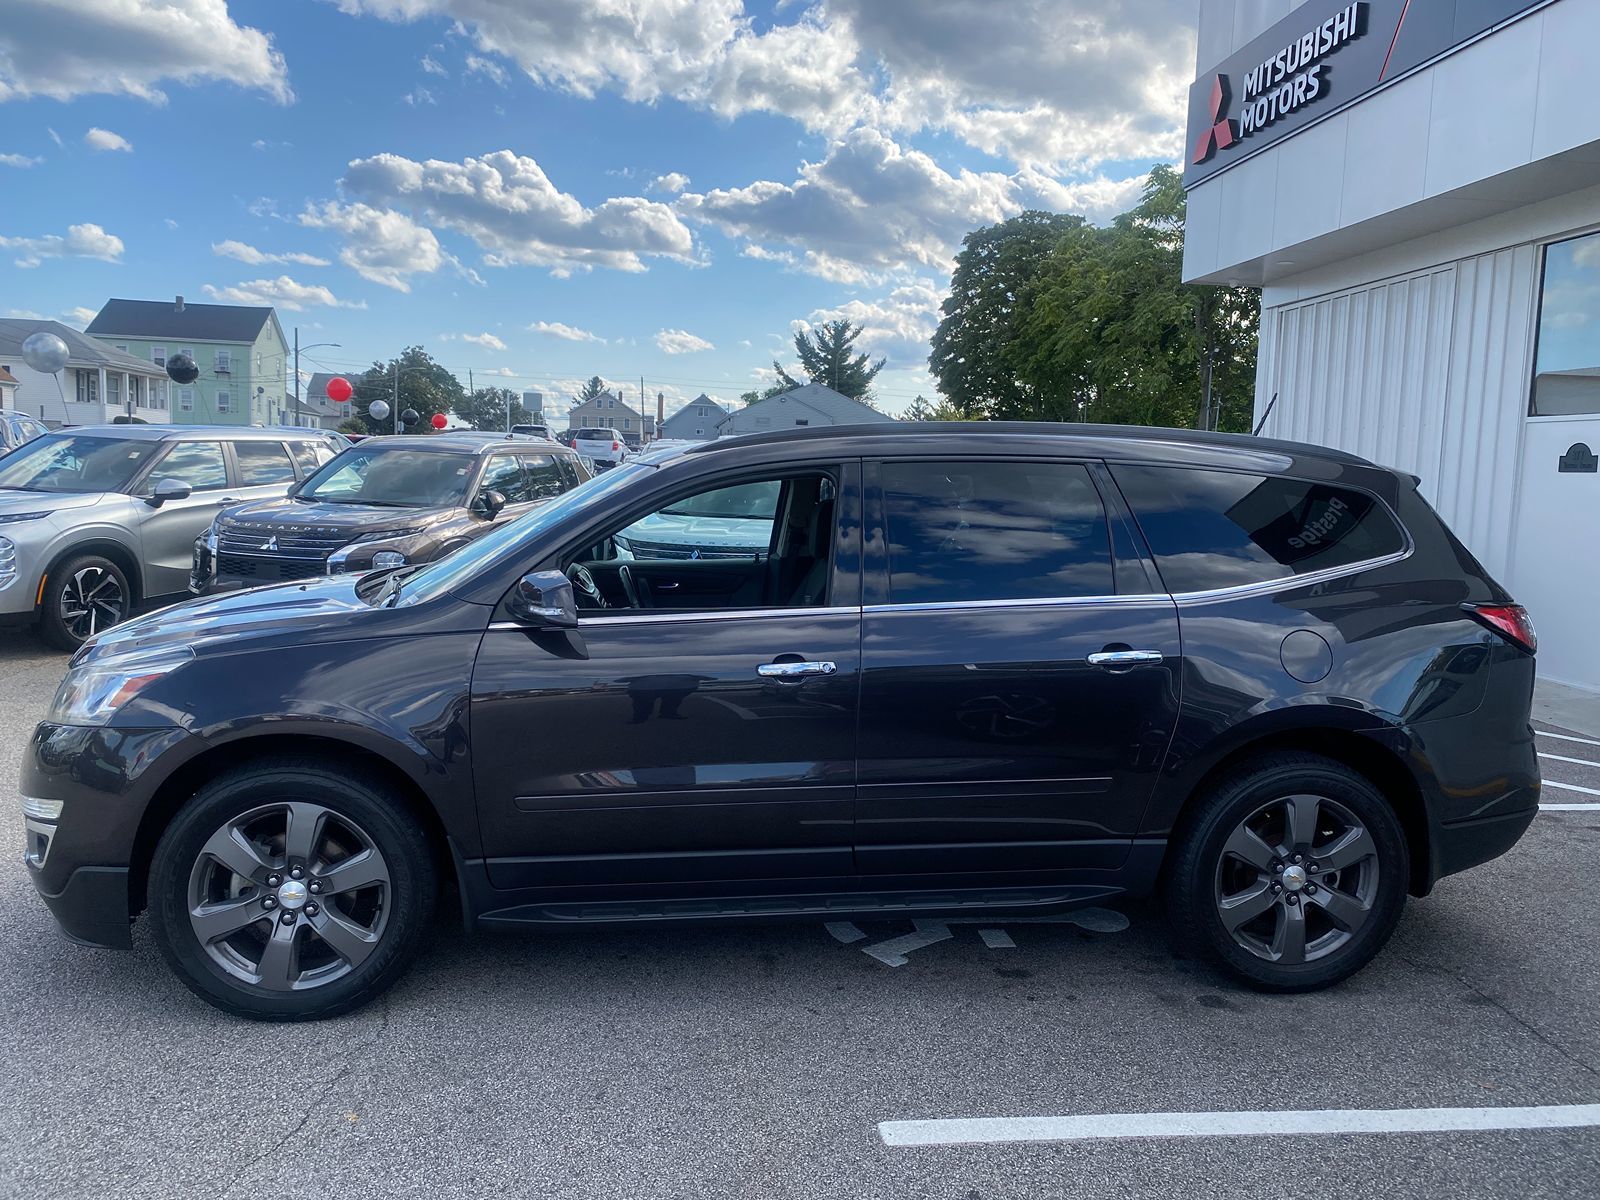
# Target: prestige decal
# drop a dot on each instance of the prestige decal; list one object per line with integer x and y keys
{"x": 1282, "y": 84}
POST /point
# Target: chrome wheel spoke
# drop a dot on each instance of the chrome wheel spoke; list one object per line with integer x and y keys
{"x": 347, "y": 939}
{"x": 230, "y": 848}
{"x": 1289, "y": 942}
{"x": 213, "y": 921}
{"x": 303, "y": 834}
{"x": 358, "y": 871}
{"x": 1244, "y": 907}
{"x": 279, "y": 967}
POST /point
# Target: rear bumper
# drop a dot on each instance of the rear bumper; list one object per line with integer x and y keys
{"x": 1464, "y": 844}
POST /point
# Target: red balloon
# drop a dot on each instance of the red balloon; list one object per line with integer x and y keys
{"x": 440, "y": 420}
{"x": 339, "y": 389}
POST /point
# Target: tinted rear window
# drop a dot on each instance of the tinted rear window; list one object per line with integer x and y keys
{"x": 963, "y": 531}
{"x": 1216, "y": 529}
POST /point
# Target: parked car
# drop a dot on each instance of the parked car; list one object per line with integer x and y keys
{"x": 97, "y": 520}
{"x": 390, "y": 502}
{"x": 986, "y": 670}
{"x": 18, "y": 429}
{"x": 534, "y": 431}
{"x": 728, "y": 523}
{"x": 604, "y": 448}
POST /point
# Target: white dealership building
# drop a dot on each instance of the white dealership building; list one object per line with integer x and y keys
{"x": 1415, "y": 187}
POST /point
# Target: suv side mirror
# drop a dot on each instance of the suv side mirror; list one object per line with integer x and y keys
{"x": 489, "y": 503}
{"x": 544, "y": 599}
{"x": 169, "y": 489}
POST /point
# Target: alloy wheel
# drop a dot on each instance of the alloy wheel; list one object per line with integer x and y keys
{"x": 289, "y": 896}
{"x": 91, "y": 600}
{"x": 1297, "y": 879}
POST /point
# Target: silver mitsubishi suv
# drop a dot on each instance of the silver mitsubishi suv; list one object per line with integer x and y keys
{"x": 98, "y": 520}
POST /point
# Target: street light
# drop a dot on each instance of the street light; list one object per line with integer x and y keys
{"x": 313, "y": 346}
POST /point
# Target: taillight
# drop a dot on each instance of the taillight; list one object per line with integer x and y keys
{"x": 1510, "y": 621}
{"x": 614, "y": 447}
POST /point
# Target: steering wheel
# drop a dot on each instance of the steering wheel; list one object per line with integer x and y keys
{"x": 585, "y": 591}
{"x": 625, "y": 574}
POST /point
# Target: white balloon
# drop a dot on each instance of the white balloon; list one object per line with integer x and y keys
{"x": 378, "y": 410}
{"x": 44, "y": 352}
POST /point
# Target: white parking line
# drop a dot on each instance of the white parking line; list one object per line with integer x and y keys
{"x": 1569, "y": 808}
{"x": 1563, "y": 758}
{"x": 1235, "y": 1124}
{"x": 1572, "y": 787}
{"x": 1567, "y": 737}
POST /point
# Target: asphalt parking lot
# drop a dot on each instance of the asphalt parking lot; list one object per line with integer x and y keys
{"x": 756, "y": 1062}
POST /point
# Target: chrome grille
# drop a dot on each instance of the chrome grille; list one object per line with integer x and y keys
{"x": 269, "y": 538}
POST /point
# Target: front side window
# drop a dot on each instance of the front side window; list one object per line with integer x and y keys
{"x": 69, "y": 462}
{"x": 965, "y": 531}
{"x": 1566, "y": 377}
{"x": 546, "y": 479}
{"x": 1218, "y": 529}
{"x": 504, "y": 474}
{"x": 305, "y": 457}
{"x": 261, "y": 463}
{"x": 199, "y": 464}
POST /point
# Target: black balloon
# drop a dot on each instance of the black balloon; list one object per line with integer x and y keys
{"x": 409, "y": 417}
{"x": 181, "y": 369}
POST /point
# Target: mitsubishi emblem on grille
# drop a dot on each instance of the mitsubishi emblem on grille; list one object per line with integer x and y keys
{"x": 271, "y": 543}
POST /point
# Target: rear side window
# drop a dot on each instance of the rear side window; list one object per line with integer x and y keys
{"x": 964, "y": 531}
{"x": 545, "y": 478}
{"x": 306, "y": 457}
{"x": 505, "y": 474}
{"x": 199, "y": 464}
{"x": 262, "y": 463}
{"x": 1217, "y": 529}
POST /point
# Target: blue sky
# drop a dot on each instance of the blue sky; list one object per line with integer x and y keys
{"x": 544, "y": 190}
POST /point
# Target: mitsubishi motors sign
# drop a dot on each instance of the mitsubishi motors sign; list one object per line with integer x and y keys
{"x": 1323, "y": 56}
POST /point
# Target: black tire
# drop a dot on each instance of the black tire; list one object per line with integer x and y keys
{"x": 360, "y": 814}
{"x": 63, "y": 586}
{"x": 1210, "y": 883}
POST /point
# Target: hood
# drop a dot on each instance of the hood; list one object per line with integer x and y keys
{"x": 233, "y": 617}
{"x": 13, "y": 501}
{"x": 284, "y": 513}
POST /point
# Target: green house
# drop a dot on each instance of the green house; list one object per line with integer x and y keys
{"x": 243, "y": 359}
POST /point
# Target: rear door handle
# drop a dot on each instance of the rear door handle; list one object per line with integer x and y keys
{"x": 666, "y": 585}
{"x": 795, "y": 670}
{"x": 1125, "y": 658}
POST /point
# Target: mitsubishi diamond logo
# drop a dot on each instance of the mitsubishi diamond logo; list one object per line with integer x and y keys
{"x": 271, "y": 543}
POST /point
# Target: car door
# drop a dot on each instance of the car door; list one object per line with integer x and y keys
{"x": 1019, "y": 685}
{"x": 167, "y": 532}
{"x": 714, "y": 745}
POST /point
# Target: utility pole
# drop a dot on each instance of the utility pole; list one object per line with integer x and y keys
{"x": 641, "y": 413}
{"x": 397, "y": 395}
{"x": 297, "y": 376}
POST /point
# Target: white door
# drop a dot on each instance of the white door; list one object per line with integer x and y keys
{"x": 1555, "y": 563}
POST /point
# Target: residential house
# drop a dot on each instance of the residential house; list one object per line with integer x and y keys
{"x": 318, "y": 412}
{"x": 809, "y": 404}
{"x": 609, "y": 411}
{"x": 243, "y": 358}
{"x": 696, "y": 421}
{"x": 99, "y": 384}
{"x": 8, "y": 389}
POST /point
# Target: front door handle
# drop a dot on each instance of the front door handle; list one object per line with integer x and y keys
{"x": 1125, "y": 658}
{"x": 794, "y": 670}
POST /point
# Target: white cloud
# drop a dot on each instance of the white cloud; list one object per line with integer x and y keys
{"x": 432, "y": 66}
{"x": 502, "y": 372}
{"x": 487, "y": 340}
{"x": 79, "y": 315}
{"x": 19, "y": 160}
{"x": 900, "y": 325}
{"x": 249, "y": 254}
{"x": 381, "y": 246}
{"x": 169, "y": 223}
{"x": 569, "y": 333}
{"x": 25, "y": 314}
{"x": 104, "y": 139}
{"x": 506, "y": 203}
{"x": 680, "y": 341}
{"x": 477, "y": 65}
{"x": 281, "y": 292}
{"x": 419, "y": 97}
{"x": 671, "y": 183}
{"x": 82, "y": 241}
{"x": 130, "y": 47}
{"x": 54, "y": 136}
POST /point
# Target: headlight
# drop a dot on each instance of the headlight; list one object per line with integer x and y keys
{"x": 92, "y": 693}
{"x": 8, "y": 562}
{"x": 11, "y": 518}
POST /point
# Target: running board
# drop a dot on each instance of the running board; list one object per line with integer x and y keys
{"x": 831, "y": 904}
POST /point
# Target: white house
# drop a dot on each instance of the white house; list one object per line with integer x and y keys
{"x": 809, "y": 404}
{"x": 99, "y": 384}
{"x": 609, "y": 411}
{"x": 1415, "y": 187}
{"x": 8, "y": 389}
{"x": 696, "y": 421}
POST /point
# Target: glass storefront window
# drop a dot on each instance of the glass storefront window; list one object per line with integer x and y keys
{"x": 1566, "y": 377}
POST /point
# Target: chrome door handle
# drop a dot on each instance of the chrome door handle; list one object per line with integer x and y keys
{"x": 667, "y": 585}
{"x": 795, "y": 670}
{"x": 1125, "y": 658}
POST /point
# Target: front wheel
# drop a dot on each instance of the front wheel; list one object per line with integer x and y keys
{"x": 1292, "y": 873}
{"x": 287, "y": 891}
{"x": 82, "y": 596}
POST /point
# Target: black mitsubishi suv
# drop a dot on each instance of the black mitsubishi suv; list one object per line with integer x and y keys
{"x": 997, "y": 669}
{"x": 387, "y": 502}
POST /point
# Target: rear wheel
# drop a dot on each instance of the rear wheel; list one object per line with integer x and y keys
{"x": 82, "y": 596}
{"x": 1293, "y": 873}
{"x": 287, "y": 891}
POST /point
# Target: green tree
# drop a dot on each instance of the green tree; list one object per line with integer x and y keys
{"x": 486, "y": 409}
{"x": 920, "y": 409}
{"x": 425, "y": 386}
{"x": 971, "y": 349}
{"x": 766, "y": 393}
{"x": 593, "y": 388}
{"x": 828, "y": 356}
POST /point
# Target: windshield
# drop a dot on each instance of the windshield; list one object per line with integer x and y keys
{"x": 75, "y": 462}
{"x": 393, "y": 476}
{"x": 441, "y": 576}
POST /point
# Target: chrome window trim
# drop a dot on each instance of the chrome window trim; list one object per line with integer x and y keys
{"x": 1290, "y": 582}
{"x": 656, "y": 618}
{"x": 1145, "y": 598}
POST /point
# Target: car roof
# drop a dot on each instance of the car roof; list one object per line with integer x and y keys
{"x": 1137, "y": 441}
{"x": 163, "y": 433}
{"x": 462, "y": 442}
